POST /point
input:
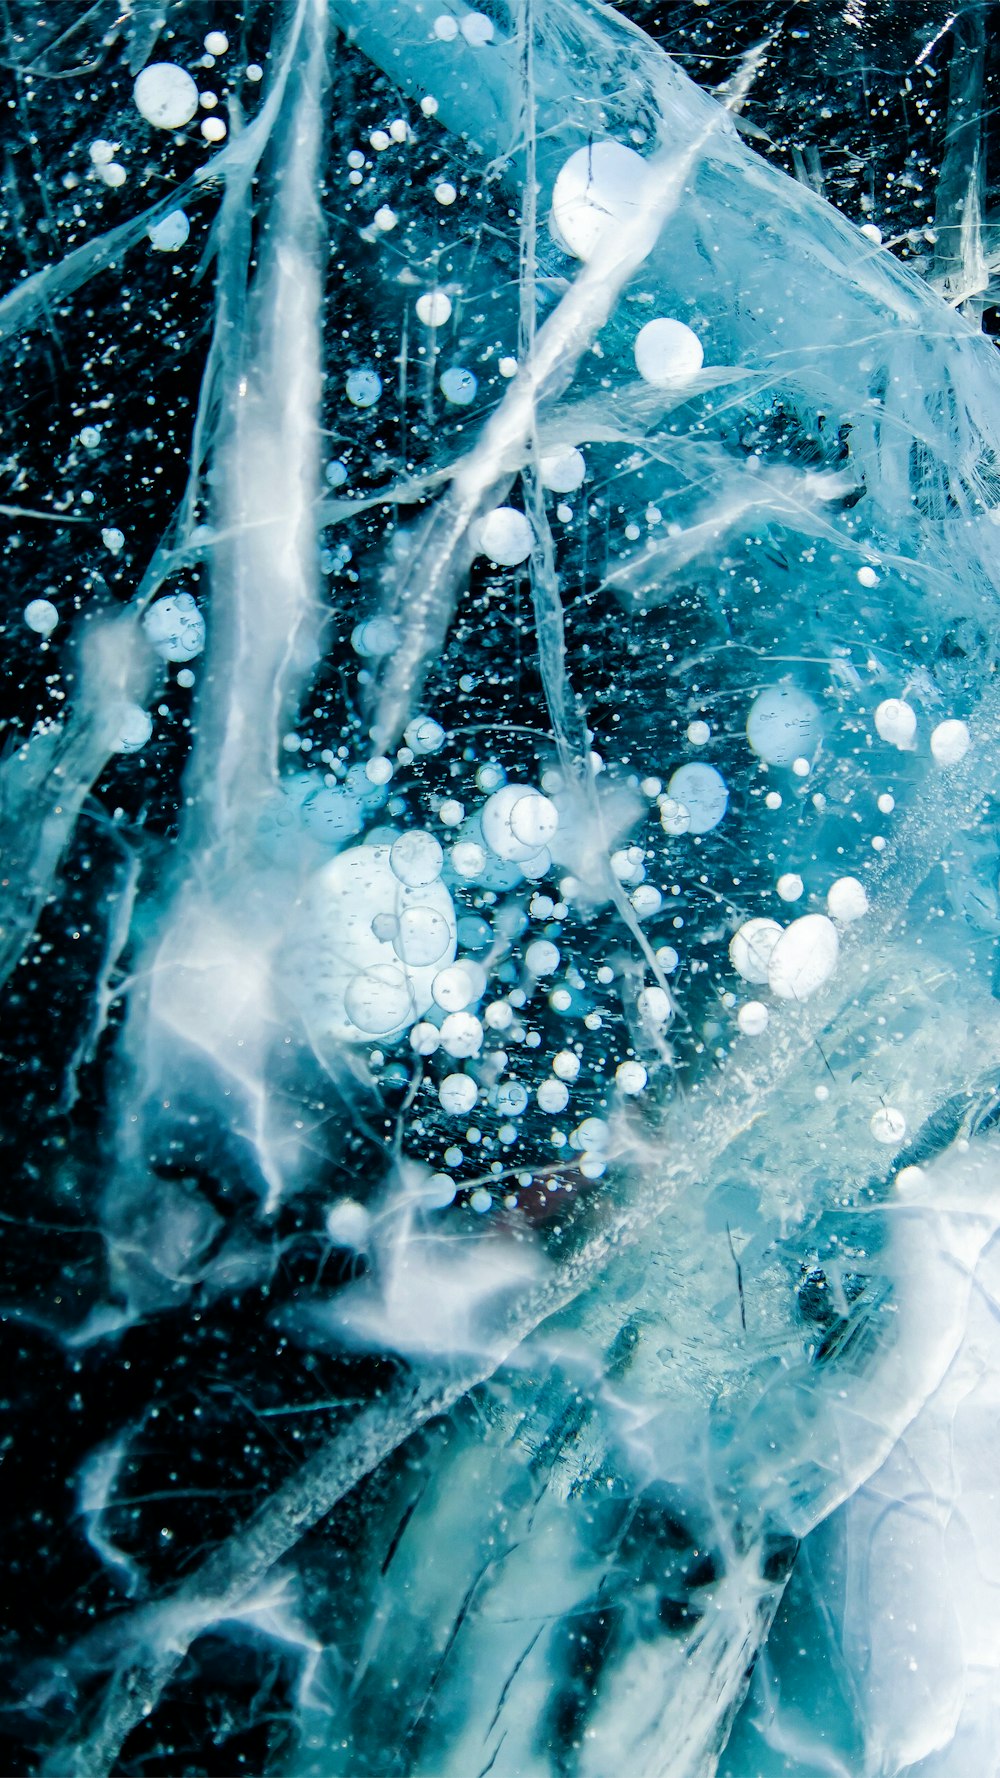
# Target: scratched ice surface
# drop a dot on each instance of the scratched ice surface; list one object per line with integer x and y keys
{"x": 500, "y": 891}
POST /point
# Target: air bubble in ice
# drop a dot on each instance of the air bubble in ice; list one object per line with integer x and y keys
{"x": 562, "y": 471}
{"x": 169, "y": 233}
{"x": 458, "y": 1094}
{"x": 416, "y": 858}
{"x": 462, "y": 984}
{"x": 753, "y": 1018}
{"x": 518, "y": 821}
{"x": 552, "y": 1096}
{"x": 598, "y": 189}
{"x": 542, "y": 957}
{"x": 422, "y": 936}
{"x": 424, "y": 735}
{"x": 506, "y": 536}
{"x": 750, "y": 949}
{"x": 950, "y": 742}
{"x": 888, "y": 1125}
{"x": 461, "y": 1035}
{"x": 783, "y": 725}
{"x": 653, "y": 1006}
{"x": 433, "y": 308}
{"x": 896, "y": 722}
{"x": 790, "y": 886}
{"x": 348, "y": 1224}
{"x": 363, "y": 387}
{"x": 631, "y": 1077}
{"x": 804, "y": 957}
{"x": 175, "y": 627}
{"x": 702, "y": 792}
{"x": 477, "y": 29}
{"x": 165, "y": 95}
{"x": 846, "y": 900}
{"x": 135, "y": 725}
{"x": 41, "y": 616}
{"x": 666, "y": 352}
{"x": 458, "y": 386}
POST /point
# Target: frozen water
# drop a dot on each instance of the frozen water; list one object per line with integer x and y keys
{"x": 500, "y": 890}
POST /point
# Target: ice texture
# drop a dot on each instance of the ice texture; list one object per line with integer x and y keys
{"x": 499, "y": 914}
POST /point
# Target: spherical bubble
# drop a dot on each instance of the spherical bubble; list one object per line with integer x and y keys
{"x": 598, "y": 189}
{"x": 436, "y": 1192}
{"x": 512, "y": 1098}
{"x": 451, "y": 813}
{"x": 379, "y": 999}
{"x": 846, "y": 900}
{"x": 458, "y": 385}
{"x": 134, "y": 727}
{"x": 896, "y": 722}
{"x": 653, "y": 1006}
{"x": 170, "y": 232}
{"x": 433, "y": 308}
{"x": 363, "y": 387}
{"x": 667, "y": 352}
{"x": 348, "y": 1223}
{"x": 537, "y": 865}
{"x": 374, "y": 637}
{"x": 675, "y": 818}
{"x": 445, "y": 192}
{"x": 474, "y": 933}
{"x": 165, "y": 96}
{"x": 888, "y": 1125}
{"x": 499, "y": 1015}
{"x": 566, "y": 1065}
{"x": 460, "y": 985}
{"x": 702, "y": 791}
{"x": 562, "y": 471}
{"x": 378, "y": 770}
{"x": 592, "y": 1133}
{"x": 477, "y": 29}
{"x": 542, "y": 957}
{"x": 867, "y": 577}
{"x": 950, "y": 742}
{"x": 628, "y": 865}
{"x": 445, "y": 28}
{"x": 506, "y": 536}
{"x": 336, "y": 475}
{"x": 175, "y": 627}
{"x": 750, "y": 949}
{"x": 909, "y": 1179}
{"x": 90, "y": 437}
{"x": 424, "y": 1038}
{"x": 113, "y": 539}
{"x": 552, "y": 1096}
{"x": 646, "y": 901}
{"x": 461, "y": 1034}
{"x": 783, "y": 724}
{"x": 458, "y": 1094}
{"x": 422, "y": 936}
{"x": 424, "y": 735}
{"x": 790, "y": 886}
{"x": 331, "y": 815}
{"x": 416, "y": 858}
{"x": 467, "y": 860}
{"x": 752, "y": 1018}
{"x": 41, "y": 616}
{"x": 517, "y": 821}
{"x": 631, "y": 1077}
{"x": 480, "y": 1200}
{"x": 216, "y": 43}
{"x": 804, "y": 957}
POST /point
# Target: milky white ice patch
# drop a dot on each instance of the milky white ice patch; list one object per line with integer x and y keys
{"x": 804, "y": 957}
{"x": 783, "y": 725}
{"x": 598, "y": 189}
{"x": 356, "y": 964}
{"x": 505, "y": 535}
{"x": 175, "y": 627}
{"x": 701, "y": 791}
{"x": 666, "y": 352}
{"x": 166, "y": 96}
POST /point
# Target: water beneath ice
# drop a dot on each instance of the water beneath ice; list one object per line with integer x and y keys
{"x": 499, "y": 912}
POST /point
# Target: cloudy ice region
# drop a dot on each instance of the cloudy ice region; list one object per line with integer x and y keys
{"x": 500, "y": 892}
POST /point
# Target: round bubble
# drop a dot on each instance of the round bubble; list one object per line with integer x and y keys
{"x": 753, "y": 1018}
{"x": 170, "y": 232}
{"x": 896, "y": 722}
{"x": 950, "y": 742}
{"x": 363, "y": 387}
{"x": 424, "y": 1038}
{"x": 804, "y": 958}
{"x": 701, "y": 790}
{"x": 598, "y": 189}
{"x": 790, "y": 886}
{"x": 375, "y": 636}
{"x": 506, "y": 536}
{"x": 666, "y": 352}
{"x": 654, "y": 1006}
{"x": 512, "y": 1098}
{"x": 348, "y": 1223}
{"x": 379, "y": 999}
{"x": 461, "y": 1034}
{"x": 165, "y": 95}
{"x": 783, "y": 724}
{"x": 566, "y": 1065}
{"x": 675, "y": 818}
{"x": 458, "y": 385}
{"x": 460, "y": 985}
{"x": 433, "y": 308}
{"x": 562, "y": 471}
{"x": 336, "y": 473}
{"x": 631, "y": 1077}
{"x": 477, "y": 29}
{"x": 750, "y": 949}
{"x": 135, "y": 725}
{"x": 41, "y": 616}
{"x": 416, "y": 858}
{"x": 846, "y": 900}
{"x": 175, "y": 627}
{"x": 331, "y": 815}
{"x": 424, "y": 735}
{"x": 422, "y": 936}
{"x": 458, "y": 1094}
{"x": 542, "y": 957}
{"x": 518, "y": 821}
{"x": 474, "y": 933}
{"x": 888, "y": 1125}
{"x": 552, "y": 1096}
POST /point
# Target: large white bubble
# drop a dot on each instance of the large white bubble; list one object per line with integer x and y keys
{"x": 598, "y": 189}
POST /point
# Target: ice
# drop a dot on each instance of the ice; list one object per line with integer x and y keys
{"x": 455, "y": 1328}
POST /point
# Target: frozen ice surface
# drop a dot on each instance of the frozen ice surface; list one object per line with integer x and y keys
{"x": 500, "y": 893}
